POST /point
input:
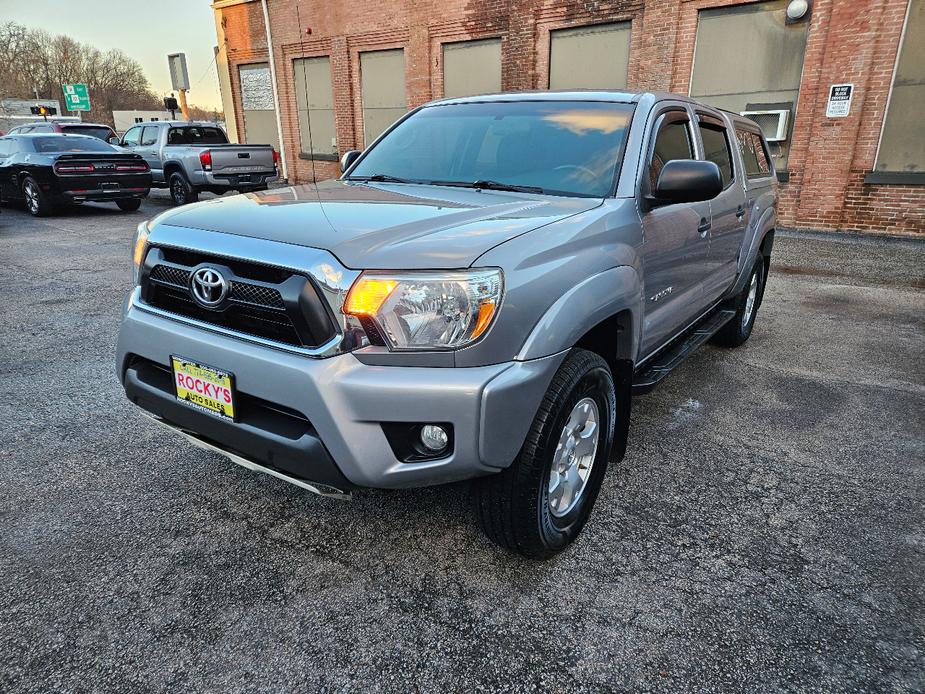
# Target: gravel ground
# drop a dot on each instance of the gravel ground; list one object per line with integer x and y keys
{"x": 765, "y": 531}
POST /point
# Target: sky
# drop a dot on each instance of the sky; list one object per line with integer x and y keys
{"x": 146, "y": 30}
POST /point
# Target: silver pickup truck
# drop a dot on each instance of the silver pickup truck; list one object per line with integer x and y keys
{"x": 479, "y": 296}
{"x": 190, "y": 157}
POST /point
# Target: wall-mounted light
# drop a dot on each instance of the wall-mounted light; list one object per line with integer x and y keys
{"x": 798, "y": 10}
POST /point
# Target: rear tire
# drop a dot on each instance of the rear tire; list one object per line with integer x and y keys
{"x": 181, "y": 192}
{"x": 129, "y": 205}
{"x": 523, "y": 508}
{"x": 38, "y": 202}
{"x": 737, "y": 331}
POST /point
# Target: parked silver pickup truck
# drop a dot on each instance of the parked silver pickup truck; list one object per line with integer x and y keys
{"x": 478, "y": 296}
{"x": 191, "y": 157}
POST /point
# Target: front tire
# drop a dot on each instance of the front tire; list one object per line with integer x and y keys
{"x": 38, "y": 202}
{"x": 129, "y": 205}
{"x": 538, "y": 506}
{"x": 737, "y": 331}
{"x": 181, "y": 192}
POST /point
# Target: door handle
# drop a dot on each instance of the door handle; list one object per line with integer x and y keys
{"x": 704, "y": 227}
{"x": 740, "y": 212}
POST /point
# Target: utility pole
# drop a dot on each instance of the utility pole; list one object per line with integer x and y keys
{"x": 184, "y": 109}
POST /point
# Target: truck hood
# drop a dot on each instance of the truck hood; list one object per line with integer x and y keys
{"x": 381, "y": 226}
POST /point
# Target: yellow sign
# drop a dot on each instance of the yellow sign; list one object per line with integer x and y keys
{"x": 203, "y": 387}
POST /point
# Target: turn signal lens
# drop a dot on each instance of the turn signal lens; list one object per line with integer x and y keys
{"x": 486, "y": 313}
{"x": 139, "y": 246}
{"x": 367, "y": 295}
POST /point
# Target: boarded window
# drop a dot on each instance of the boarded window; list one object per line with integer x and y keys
{"x": 471, "y": 67}
{"x": 902, "y": 146}
{"x": 257, "y": 105}
{"x": 591, "y": 57}
{"x": 748, "y": 59}
{"x": 382, "y": 80}
{"x": 315, "y": 101}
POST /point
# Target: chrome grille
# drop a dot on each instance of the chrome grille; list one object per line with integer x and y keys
{"x": 170, "y": 275}
{"x": 257, "y": 295}
{"x": 244, "y": 292}
{"x": 263, "y": 301}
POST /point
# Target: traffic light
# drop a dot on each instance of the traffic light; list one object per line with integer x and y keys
{"x": 43, "y": 111}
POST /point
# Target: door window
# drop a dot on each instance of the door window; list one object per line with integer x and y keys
{"x": 753, "y": 155}
{"x": 716, "y": 149}
{"x": 149, "y": 136}
{"x": 672, "y": 142}
{"x": 132, "y": 137}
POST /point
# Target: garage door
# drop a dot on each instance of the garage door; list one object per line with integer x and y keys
{"x": 382, "y": 80}
{"x": 471, "y": 67}
{"x": 591, "y": 57}
{"x": 258, "y": 107}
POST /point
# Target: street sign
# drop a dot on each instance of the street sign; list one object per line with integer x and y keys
{"x": 76, "y": 97}
{"x": 179, "y": 76}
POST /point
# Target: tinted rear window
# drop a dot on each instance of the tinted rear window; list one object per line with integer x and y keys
{"x": 196, "y": 135}
{"x": 101, "y": 132}
{"x": 70, "y": 143}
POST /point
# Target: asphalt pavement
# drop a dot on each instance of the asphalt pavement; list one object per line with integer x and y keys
{"x": 766, "y": 530}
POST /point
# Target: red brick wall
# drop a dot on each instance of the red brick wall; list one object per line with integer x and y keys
{"x": 849, "y": 41}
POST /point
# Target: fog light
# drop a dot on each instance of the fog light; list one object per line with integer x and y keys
{"x": 434, "y": 437}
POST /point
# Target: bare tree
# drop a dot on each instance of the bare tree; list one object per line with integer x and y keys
{"x": 33, "y": 60}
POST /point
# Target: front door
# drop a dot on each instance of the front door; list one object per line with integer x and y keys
{"x": 675, "y": 238}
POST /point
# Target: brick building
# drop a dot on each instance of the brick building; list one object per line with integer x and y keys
{"x": 330, "y": 75}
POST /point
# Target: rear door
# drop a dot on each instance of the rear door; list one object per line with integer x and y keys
{"x": 727, "y": 210}
{"x": 675, "y": 236}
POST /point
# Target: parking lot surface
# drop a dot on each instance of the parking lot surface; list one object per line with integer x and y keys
{"x": 766, "y": 530}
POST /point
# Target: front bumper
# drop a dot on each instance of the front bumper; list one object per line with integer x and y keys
{"x": 343, "y": 403}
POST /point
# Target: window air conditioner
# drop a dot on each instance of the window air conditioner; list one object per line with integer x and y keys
{"x": 772, "y": 123}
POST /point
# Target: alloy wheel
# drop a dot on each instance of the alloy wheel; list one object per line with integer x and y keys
{"x": 574, "y": 457}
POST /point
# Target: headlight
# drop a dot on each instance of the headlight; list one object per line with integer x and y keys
{"x": 139, "y": 246}
{"x": 427, "y": 310}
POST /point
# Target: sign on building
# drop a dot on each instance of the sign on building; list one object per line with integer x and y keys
{"x": 76, "y": 97}
{"x": 839, "y": 100}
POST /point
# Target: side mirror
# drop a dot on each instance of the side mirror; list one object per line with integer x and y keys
{"x": 688, "y": 180}
{"x": 347, "y": 160}
{"x": 114, "y": 140}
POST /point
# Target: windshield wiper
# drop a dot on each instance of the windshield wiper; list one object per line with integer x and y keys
{"x": 381, "y": 178}
{"x": 484, "y": 184}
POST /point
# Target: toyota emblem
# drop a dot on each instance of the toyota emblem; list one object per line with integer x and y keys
{"x": 208, "y": 287}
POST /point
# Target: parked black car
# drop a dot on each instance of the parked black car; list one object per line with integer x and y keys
{"x": 49, "y": 171}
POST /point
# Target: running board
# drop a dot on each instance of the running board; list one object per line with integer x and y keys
{"x": 668, "y": 359}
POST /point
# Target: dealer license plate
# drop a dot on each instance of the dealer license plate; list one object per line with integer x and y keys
{"x": 204, "y": 387}
{"x": 110, "y": 187}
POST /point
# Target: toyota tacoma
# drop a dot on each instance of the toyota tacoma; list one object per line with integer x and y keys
{"x": 479, "y": 296}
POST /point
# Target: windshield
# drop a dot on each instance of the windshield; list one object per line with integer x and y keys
{"x": 196, "y": 135}
{"x": 556, "y": 147}
{"x": 70, "y": 143}
{"x": 98, "y": 131}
